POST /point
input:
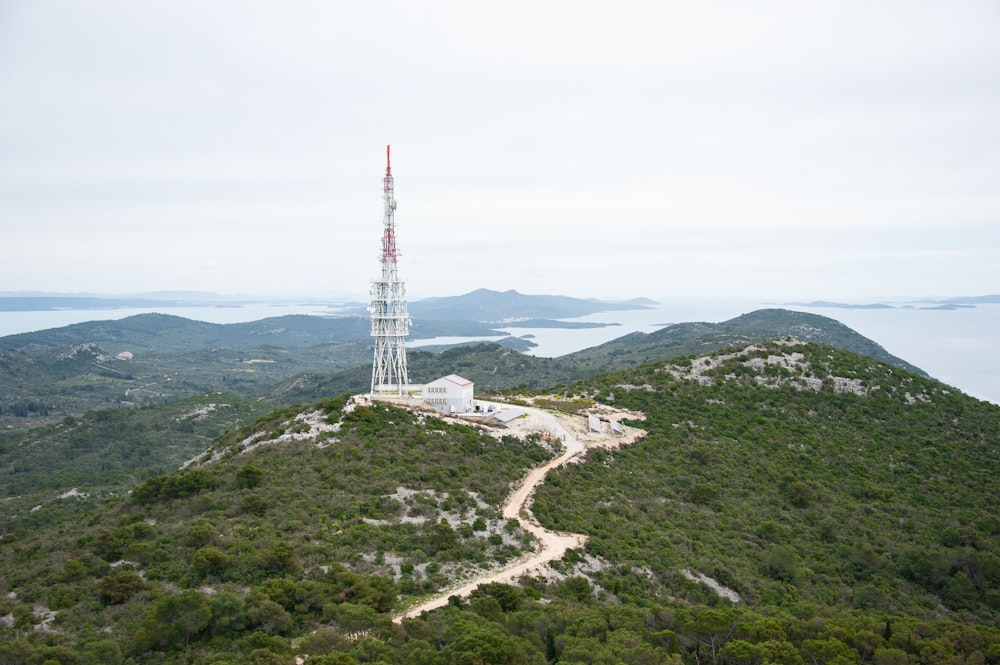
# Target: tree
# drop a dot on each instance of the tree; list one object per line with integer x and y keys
{"x": 270, "y": 616}
{"x": 249, "y": 477}
{"x": 55, "y": 655}
{"x": 799, "y": 494}
{"x": 890, "y": 656}
{"x": 710, "y": 629}
{"x": 351, "y": 618}
{"x": 484, "y": 644}
{"x": 117, "y": 588}
{"x": 336, "y": 658}
{"x": 228, "y": 615}
{"x": 102, "y": 652}
{"x": 174, "y": 620}
{"x": 741, "y": 652}
{"x": 510, "y": 598}
{"x": 441, "y": 537}
{"x": 830, "y": 650}
{"x": 207, "y": 561}
{"x": 577, "y": 588}
{"x": 280, "y": 559}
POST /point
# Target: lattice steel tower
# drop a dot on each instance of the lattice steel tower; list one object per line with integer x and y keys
{"x": 390, "y": 321}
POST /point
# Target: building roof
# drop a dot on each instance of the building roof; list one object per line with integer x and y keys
{"x": 454, "y": 378}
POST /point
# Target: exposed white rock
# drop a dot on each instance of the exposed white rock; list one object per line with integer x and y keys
{"x": 720, "y": 590}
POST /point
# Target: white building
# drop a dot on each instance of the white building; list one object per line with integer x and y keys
{"x": 451, "y": 393}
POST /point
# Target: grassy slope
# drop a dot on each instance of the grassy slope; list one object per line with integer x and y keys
{"x": 885, "y": 501}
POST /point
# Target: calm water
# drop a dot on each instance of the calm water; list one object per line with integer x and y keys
{"x": 959, "y": 347}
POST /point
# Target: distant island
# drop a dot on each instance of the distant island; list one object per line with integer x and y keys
{"x": 482, "y": 305}
{"x": 946, "y": 304}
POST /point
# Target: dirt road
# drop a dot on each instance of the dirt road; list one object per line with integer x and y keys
{"x": 552, "y": 545}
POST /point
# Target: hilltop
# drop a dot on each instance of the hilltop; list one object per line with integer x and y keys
{"x": 496, "y": 368}
{"x": 83, "y": 446}
{"x": 790, "y": 502}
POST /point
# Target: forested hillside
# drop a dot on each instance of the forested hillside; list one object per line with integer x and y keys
{"x": 696, "y": 338}
{"x": 799, "y": 476}
{"x": 46, "y": 470}
{"x": 67, "y": 371}
{"x": 494, "y": 368}
{"x": 791, "y": 503}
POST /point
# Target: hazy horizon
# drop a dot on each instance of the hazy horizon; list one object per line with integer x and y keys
{"x": 955, "y": 345}
{"x": 169, "y": 294}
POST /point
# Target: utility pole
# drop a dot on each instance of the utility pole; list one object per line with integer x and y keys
{"x": 390, "y": 320}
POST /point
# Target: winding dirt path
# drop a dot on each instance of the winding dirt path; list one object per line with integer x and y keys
{"x": 553, "y": 545}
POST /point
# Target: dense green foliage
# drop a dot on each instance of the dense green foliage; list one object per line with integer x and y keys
{"x": 163, "y": 332}
{"x": 490, "y": 366}
{"x": 106, "y": 452}
{"x": 294, "y": 359}
{"x": 885, "y": 501}
{"x": 851, "y": 505}
{"x": 692, "y": 339}
{"x": 40, "y": 384}
{"x": 283, "y": 521}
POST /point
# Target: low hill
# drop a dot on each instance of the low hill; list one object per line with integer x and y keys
{"x": 494, "y": 368}
{"x": 43, "y": 384}
{"x": 433, "y": 317}
{"x": 794, "y": 474}
{"x": 326, "y": 501}
{"x": 297, "y": 358}
{"x": 491, "y": 366}
{"x": 494, "y": 306}
{"x": 108, "y": 451}
{"x": 790, "y": 503}
{"x": 689, "y": 339}
{"x": 164, "y": 332}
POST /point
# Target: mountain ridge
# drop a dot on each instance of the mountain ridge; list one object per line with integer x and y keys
{"x": 282, "y": 359}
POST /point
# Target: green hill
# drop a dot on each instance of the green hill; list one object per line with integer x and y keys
{"x": 849, "y": 503}
{"x": 494, "y": 368}
{"x": 66, "y": 371}
{"x": 106, "y": 452}
{"x": 796, "y": 475}
{"x": 495, "y": 306}
{"x": 689, "y": 339}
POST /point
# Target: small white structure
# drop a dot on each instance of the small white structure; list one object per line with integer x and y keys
{"x": 451, "y": 394}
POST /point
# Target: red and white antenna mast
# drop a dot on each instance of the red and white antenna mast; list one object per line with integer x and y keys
{"x": 388, "y": 221}
{"x": 390, "y": 320}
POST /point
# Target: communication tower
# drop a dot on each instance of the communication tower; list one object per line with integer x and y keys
{"x": 390, "y": 320}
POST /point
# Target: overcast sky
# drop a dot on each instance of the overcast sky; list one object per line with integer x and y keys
{"x": 767, "y": 150}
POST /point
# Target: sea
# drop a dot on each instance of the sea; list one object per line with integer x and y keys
{"x": 959, "y": 347}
